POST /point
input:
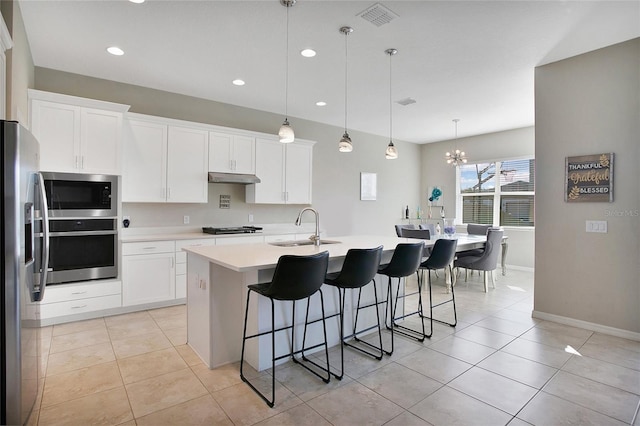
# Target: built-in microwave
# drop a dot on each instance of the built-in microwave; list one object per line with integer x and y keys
{"x": 81, "y": 195}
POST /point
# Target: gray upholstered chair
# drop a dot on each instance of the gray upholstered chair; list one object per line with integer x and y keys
{"x": 399, "y": 228}
{"x": 420, "y": 234}
{"x": 488, "y": 261}
{"x": 474, "y": 229}
{"x": 430, "y": 226}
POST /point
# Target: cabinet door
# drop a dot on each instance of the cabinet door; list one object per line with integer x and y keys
{"x": 100, "y": 136}
{"x": 244, "y": 154}
{"x": 57, "y": 128}
{"x": 270, "y": 170}
{"x": 298, "y": 173}
{"x": 187, "y": 164}
{"x": 148, "y": 278}
{"x": 144, "y": 177}
{"x": 220, "y": 152}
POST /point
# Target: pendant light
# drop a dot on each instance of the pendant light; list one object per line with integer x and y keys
{"x": 391, "y": 153}
{"x": 286, "y": 131}
{"x": 345, "y": 144}
{"x": 457, "y": 157}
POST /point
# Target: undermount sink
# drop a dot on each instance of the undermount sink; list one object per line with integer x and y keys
{"x": 301, "y": 243}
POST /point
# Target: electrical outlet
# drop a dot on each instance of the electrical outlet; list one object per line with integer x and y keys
{"x": 250, "y": 218}
{"x": 186, "y": 220}
{"x": 599, "y": 226}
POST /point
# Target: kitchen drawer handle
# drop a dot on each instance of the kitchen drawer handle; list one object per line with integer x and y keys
{"x": 79, "y": 292}
{"x": 149, "y": 248}
{"x": 78, "y": 307}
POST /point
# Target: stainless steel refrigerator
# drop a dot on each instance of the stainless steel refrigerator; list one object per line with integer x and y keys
{"x": 24, "y": 252}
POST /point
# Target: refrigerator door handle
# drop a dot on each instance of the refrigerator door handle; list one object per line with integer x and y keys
{"x": 44, "y": 212}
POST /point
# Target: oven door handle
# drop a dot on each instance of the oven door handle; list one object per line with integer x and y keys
{"x": 81, "y": 233}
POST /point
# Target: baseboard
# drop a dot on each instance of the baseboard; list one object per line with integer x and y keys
{"x": 612, "y": 331}
{"x": 518, "y": 268}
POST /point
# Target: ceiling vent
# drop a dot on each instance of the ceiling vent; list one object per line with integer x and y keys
{"x": 406, "y": 101}
{"x": 378, "y": 15}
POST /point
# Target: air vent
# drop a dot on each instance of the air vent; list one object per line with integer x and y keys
{"x": 378, "y": 15}
{"x": 406, "y": 101}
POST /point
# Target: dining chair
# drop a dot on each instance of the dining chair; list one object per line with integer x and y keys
{"x": 399, "y": 228}
{"x": 295, "y": 278}
{"x": 359, "y": 269}
{"x": 487, "y": 261}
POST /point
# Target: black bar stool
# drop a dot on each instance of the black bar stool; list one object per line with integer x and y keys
{"x": 359, "y": 269}
{"x": 295, "y": 278}
{"x": 442, "y": 256}
{"x": 405, "y": 262}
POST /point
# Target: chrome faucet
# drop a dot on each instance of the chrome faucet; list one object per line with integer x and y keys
{"x": 315, "y": 238}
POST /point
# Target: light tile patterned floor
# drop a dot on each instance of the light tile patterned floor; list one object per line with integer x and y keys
{"x": 498, "y": 366}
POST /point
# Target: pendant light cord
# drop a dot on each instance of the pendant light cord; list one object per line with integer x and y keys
{"x": 346, "y": 62}
{"x": 286, "y": 73}
{"x": 390, "y": 101}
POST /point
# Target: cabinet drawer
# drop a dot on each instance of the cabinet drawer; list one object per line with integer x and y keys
{"x": 180, "y": 244}
{"x": 71, "y": 292}
{"x": 52, "y": 310}
{"x": 148, "y": 247}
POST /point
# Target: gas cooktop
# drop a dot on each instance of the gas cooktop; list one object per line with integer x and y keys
{"x": 232, "y": 230}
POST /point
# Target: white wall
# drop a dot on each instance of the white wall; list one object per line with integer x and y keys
{"x": 336, "y": 176}
{"x": 493, "y": 146}
{"x": 589, "y": 104}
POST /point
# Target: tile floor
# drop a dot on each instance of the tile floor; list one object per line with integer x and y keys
{"x": 498, "y": 366}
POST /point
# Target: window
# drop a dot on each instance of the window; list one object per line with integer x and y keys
{"x": 497, "y": 193}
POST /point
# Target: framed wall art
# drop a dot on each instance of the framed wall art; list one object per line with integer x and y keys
{"x": 589, "y": 178}
{"x": 368, "y": 186}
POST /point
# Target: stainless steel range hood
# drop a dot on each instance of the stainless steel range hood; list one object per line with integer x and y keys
{"x": 215, "y": 177}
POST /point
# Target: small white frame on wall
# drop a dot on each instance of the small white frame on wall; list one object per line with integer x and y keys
{"x": 368, "y": 186}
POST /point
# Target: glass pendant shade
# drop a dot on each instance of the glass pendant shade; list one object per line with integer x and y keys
{"x": 286, "y": 132}
{"x": 345, "y": 144}
{"x": 391, "y": 153}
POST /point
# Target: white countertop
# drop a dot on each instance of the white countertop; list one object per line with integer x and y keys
{"x": 247, "y": 257}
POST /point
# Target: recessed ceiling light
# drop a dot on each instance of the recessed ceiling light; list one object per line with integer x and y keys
{"x": 238, "y": 82}
{"x": 308, "y": 53}
{"x": 137, "y": 1}
{"x": 115, "y": 51}
{"x": 321, "y": 103}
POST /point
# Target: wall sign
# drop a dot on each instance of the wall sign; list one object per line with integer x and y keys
{"x": 589, "y": 178}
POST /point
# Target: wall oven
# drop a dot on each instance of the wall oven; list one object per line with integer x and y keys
{"x": 83, "y": 226}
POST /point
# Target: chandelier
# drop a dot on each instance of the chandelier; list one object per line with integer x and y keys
{"x": 456, "y": 157}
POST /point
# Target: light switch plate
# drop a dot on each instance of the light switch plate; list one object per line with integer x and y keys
{"x": 599, "y": 226}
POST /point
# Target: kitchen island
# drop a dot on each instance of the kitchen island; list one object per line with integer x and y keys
{"x": 217, "y": 280}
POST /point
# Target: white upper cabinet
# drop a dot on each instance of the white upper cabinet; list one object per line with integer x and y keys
{"x": 164, "y": 163}
{"x": 229, "y": 153}
{"x": 285, "y": 172}
{"x": 144, "y": 176}
{"x": 77, "y": 135}
{"x": 188, "y": 155}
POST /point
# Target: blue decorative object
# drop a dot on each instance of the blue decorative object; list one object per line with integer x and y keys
{"x": 435, "y": 194}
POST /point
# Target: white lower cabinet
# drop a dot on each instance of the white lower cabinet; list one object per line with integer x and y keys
{"x": 77, "y": 298}
{"x": 148, "y": 272}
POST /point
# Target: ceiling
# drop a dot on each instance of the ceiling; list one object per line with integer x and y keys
{"x": 472, "y": 60}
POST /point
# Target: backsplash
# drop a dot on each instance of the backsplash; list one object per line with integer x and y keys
{"x": 210, "y": 214}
